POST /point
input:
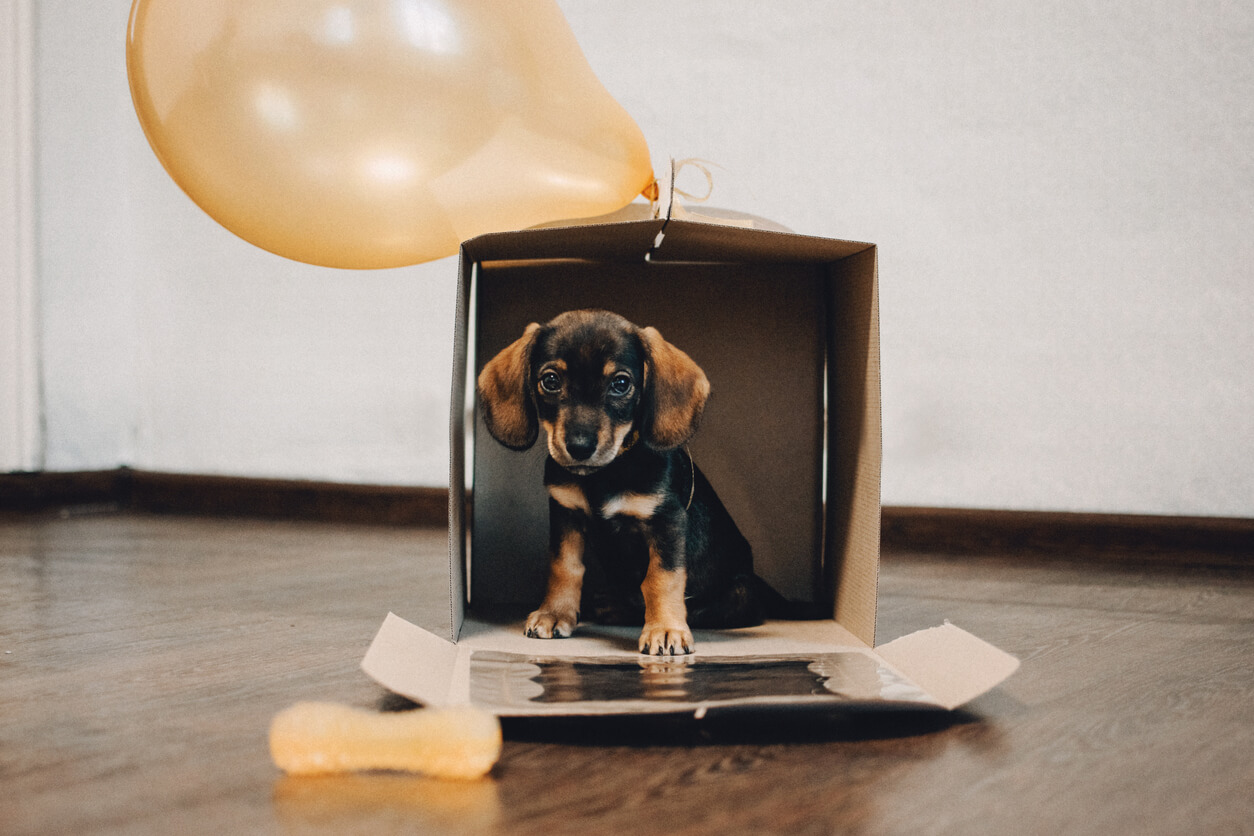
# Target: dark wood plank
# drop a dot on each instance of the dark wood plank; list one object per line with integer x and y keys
{"x": 141, "y": 659}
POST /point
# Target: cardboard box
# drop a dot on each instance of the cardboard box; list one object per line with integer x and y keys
{"x": 787, "y": 329}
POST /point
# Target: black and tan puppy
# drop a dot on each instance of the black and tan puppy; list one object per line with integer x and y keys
{"x": 618, "y": 403}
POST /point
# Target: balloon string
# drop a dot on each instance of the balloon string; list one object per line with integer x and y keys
{"x": 674, "y": 208}
{"x": 699, "y": 165}
{"x": 655, "y": 190}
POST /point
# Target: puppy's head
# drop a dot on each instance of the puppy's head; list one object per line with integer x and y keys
{"x": 592, "y": 380}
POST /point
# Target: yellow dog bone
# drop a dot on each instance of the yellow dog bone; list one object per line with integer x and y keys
{"x": 316, "y": 737}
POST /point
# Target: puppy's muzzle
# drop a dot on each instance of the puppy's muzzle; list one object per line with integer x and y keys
{"x": 581, "y": 443}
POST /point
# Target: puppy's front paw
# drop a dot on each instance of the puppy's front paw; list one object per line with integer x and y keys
{"x": 550, "y": 624}
{"x": 666, "y": 639}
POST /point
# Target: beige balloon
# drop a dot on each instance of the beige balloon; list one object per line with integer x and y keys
{"x": 379, "y": 133}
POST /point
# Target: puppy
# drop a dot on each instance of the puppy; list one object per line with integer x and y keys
{"x": 626, "y": 501}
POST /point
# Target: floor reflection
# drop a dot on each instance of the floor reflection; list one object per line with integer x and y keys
{"x": 509, "y": 679}
{"x": 342, "y": 803}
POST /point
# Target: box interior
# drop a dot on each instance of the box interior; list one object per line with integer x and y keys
{"x": 755, "y": 332}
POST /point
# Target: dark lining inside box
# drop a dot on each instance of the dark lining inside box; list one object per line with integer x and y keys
{"x": 758, "y": 332}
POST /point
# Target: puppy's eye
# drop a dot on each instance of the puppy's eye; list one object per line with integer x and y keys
{"x": 620, "y": 385}
{"x": 551, "y": 382}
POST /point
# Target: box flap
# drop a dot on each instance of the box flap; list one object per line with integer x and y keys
{"x": 689, "y": 240}
{"x": 949, "y": 663}
{"x": 410, "y": 661}
{"x": 780, "y": 665}
{"x": 712, "y": 242}
{"x": 629, "y": 241}
{"x": 851, "y": 566}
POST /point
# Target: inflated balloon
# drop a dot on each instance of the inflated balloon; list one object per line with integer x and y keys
{"x": 378, "y": 133}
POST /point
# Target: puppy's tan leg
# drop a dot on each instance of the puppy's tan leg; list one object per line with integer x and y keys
{"x": 559, "y": 612}
{"x": 666, "y": 630}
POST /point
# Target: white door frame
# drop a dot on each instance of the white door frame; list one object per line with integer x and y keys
{"x": 21, "y": 441}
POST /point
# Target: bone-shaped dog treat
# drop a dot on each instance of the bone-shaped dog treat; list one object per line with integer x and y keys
{"x": 316, "y": 738}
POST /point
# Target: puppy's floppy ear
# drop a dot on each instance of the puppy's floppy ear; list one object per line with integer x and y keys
{"x": 675, "y": 393}
{"x": 505, "y": 393}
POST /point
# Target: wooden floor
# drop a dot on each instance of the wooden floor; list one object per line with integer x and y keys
{"x": 141, "y": 659}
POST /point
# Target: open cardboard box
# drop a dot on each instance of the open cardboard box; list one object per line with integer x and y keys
{"x": 787, "y": 330}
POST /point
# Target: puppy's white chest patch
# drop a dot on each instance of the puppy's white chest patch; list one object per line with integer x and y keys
{"x": 639, "y": 505}
{"x": 628, "y": 504}
{"x": 570, "y": 496}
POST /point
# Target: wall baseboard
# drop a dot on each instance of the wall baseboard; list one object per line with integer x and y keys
{"x": 221, "y": 496}
{"x": 1136, "y": 537}
{"x": 1080, "y": 536}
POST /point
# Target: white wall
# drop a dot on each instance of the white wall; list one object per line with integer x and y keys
{"x": 1063, "y": 195}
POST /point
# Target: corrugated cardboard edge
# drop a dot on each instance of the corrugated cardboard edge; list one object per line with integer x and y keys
{"x": 949, "y": 663}
{"x": 457, "y": 494}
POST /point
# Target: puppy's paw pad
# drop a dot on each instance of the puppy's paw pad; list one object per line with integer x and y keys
{"x": 546, "y": 624}
{"x": 664, "y": 640}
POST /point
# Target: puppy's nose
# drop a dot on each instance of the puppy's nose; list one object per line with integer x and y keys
{"x": 581, "y": 445}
